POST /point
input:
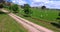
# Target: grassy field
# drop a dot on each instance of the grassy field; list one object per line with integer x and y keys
{"x": 7, "y": 24}
{"x": 48, "y": 15}
{"x": 45, "y": 14}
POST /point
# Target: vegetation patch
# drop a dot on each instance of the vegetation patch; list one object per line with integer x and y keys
{"x": 7, "y": 24}
{"x": 43, "y": 17}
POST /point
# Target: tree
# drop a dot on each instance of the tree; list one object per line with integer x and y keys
{"x": 59, "y": 13}
{"x": 15, "y": 8}
{"x": 43, "y": 7}
{"x": 27, "y": 10}
{"x": 58, "y": 18}
{"x": 2, "y": 1}
{"x": 1, "y": 5}
{"x": 22, "y": 6}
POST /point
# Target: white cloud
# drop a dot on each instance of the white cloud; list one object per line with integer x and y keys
{"x": 53, "y": 4}
{"x": 20, "y": 2}
{"x": 48, "y": 3}
{"x": 38, "y": 2}
{"x": 13, "y": 1}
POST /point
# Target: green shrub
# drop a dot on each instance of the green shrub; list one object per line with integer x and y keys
{"x": 1, "y": 5}
{"x": 14, "y": 8}
{"x": 27, "y": 10}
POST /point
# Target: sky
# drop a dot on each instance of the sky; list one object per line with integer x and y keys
{"x": 38, "y": 3}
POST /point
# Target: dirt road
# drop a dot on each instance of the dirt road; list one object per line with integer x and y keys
{"x": 32, "y": 27}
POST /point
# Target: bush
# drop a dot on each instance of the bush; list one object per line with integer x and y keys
{"x": 14, "y": 8}
{"x": 43, "y": 7}
{"x": 1, "y": 5}
{"x": 58, "y": 18}
{"x": 59, "y": 14}
{"x": 27, "y": 10}
{"x": 56, "y": 24}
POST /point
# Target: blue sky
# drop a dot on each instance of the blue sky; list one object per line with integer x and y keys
{"x": 37, "y": 3}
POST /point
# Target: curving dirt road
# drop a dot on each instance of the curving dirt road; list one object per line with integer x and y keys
{"x": 32, "y": 27}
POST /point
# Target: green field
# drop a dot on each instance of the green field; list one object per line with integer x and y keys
{"x": 7, "y": 24}
{"x": 47, "y": 15}
{"x": 42, "y": 17}
{"x": 44, "y": 14}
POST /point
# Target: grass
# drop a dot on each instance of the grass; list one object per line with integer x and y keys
{"x": 48, "y": 15}
{"x": 45, "y": 14}
{"x": 7, "y": 24}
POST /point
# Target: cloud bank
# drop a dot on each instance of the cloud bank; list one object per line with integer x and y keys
{"x": 38, "y": 3}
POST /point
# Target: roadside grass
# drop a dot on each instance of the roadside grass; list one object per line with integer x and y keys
{"x": 8, "y": 24}
{"x": 47, "y": 25}
{"x": 47, "y": 16}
